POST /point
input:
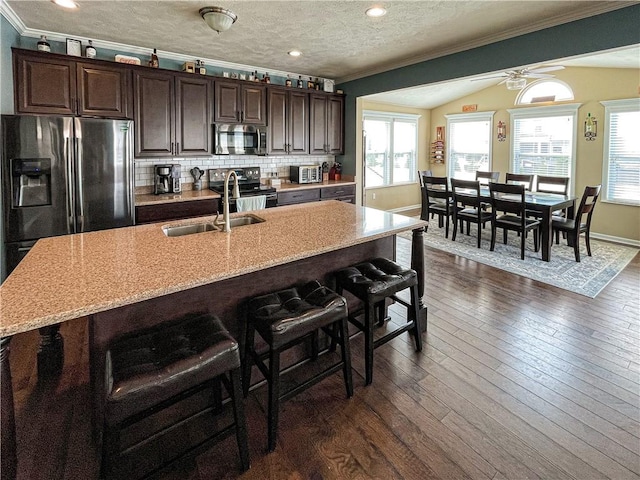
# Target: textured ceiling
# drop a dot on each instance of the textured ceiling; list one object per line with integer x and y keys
{"x": 336, "y": 38}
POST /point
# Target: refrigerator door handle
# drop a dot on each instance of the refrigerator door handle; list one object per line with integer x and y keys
{"x": 70, "y": 185}
{"x": 79, "y": 177}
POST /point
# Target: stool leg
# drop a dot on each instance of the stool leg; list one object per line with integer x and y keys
{"x": 274, "y": 398}
{"x": 110, "y": 451}
{"x": 415, "y": 305}
{"x": 369, "y": 318}
{"x": 314, "y": 346}
{"x": 217, "y": 395}
{"x": 248, "y": 358}
{"x": 382, "y": 313}
{"x": 334, "y": 327}
{"x": 346, "y": 355}
{"x": 239, "y": 417}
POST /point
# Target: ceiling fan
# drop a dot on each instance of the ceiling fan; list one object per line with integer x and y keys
{"x": 517, "y": 79}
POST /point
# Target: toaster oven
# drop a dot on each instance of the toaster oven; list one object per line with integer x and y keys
{"x": 305, "y": 173}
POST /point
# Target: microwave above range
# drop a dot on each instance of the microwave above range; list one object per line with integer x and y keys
{"x": 305, "y": 173}
{"x": 234, "y": 139}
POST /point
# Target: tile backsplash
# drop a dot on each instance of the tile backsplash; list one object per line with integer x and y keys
{"x": 268, "y": 166}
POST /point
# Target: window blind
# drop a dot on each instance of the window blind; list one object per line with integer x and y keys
{"x": 469, "y": 144}
{"x": 623, "y": 157}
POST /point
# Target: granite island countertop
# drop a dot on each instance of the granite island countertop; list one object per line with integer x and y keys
{"x": 70, "y": 276}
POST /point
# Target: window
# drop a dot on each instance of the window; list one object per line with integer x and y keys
{"x": 391, "y": 144}
{"x": 543, "y": 141}
{"x": 544, "y": 91}
{"x": 621, "y": 166}
{"x": 468, "y": 144}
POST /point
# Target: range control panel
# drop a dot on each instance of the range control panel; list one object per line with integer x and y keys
{"x": 245, "y": 175}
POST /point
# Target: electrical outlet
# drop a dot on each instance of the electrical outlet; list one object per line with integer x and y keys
{"x": 373, "y": 196}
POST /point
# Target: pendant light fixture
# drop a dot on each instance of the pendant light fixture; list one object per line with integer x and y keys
{"x": 218, "y": 18}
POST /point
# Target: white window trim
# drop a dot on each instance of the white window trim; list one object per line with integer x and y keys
{"x": 548, "y": 111}
{"x": 469, "y": 117}
{"x": 378, "y": 115}
{"x": 537, "y": 82}
{"x": 610, "y": 106}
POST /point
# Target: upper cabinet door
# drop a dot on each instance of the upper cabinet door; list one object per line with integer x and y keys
{"x": 254, "y": 105}
{"x": 154, "y": 114}
{"x": 335, "y": 122}
{"x": 277, "y": 137}
{"x": 103, "y": 91}
{"x": 44, "y": 85}
{"x": 318, "y": 124}
{"x": 298, "y": 126}
{"x": 227, "y": 102}
{"x": 193, "y": 116}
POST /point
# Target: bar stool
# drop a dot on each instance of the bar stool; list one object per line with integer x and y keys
{"x": 373, "y": 282}
{"x": 284, "y": 319}
{"x": 150, "y": 370}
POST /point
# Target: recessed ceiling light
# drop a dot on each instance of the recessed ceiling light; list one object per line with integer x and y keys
{"x": 376, "y": 12}
{"x": 295, "y": 53}
{"x": 65, "y": 3}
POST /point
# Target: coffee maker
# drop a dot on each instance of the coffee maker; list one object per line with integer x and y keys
{"x": 166, "y": 179}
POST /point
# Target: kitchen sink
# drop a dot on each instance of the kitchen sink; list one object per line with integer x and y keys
{"x": 245, "y": 220}
{"x": 180, "y": 230}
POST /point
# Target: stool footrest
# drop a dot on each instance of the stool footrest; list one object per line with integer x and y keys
{"x": 392, "y": 335}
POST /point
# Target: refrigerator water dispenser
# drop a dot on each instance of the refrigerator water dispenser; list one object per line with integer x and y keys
{"x": 31, "y": 182}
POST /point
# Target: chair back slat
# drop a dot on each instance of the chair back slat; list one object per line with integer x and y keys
{"x": 520, "y": 179}
{"x": 465, "y": 193}
{"x": 507, "y": 198}
{"x": 587, "y": 204}
{"x": 436, "y": 187}
{"x": 424, "y": 173}
{"x": 487, "y": 177}
{"x": 552, "y": 184}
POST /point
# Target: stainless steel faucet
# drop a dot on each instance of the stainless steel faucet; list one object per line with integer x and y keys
{"x": 236, "y": 194}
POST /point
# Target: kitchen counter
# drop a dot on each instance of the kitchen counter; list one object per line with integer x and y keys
{"x": 189, "y": 195}
{"x": 70, "y": 276}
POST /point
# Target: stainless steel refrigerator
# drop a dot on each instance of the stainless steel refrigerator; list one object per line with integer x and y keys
{"x": 63, "y": 175}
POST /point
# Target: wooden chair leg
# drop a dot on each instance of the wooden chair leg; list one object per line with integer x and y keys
{"x": 274, "y": 398}
{"x": 479, "y": 234}
{"x": 239, "y": 417}
{"x": 523, "y": 239}
{"x": 248, "y": 358}
{"x": 455, "y": 228}
{"x": 586, "y": 239}
{"x": 346, "y": 356}
{"x": 576, "y": 247}
{"x": 493, "y": 237}
{"x": 446, "y": 227}
{"x": 368, "y": 342}
{"x": 415, "y": 313}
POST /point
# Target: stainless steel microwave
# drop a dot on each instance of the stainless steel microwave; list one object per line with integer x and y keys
{"x": 233, "y": 139}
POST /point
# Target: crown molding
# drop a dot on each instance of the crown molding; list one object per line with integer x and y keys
{"x": 22, "y": 29}
{"x": 596, "y": 8}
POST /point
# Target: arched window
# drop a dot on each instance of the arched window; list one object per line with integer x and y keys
{"x": 543, "y": 91}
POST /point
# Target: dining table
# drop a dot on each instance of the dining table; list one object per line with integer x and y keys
{"x": 543, "y": 203}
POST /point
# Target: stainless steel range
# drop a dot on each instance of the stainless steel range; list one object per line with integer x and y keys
{"x": 248, "y": 181}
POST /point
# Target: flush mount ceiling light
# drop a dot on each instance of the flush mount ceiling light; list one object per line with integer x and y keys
{"x": 218, "y": 18}
{"x": 376, "y": 12}
{"x": 516, "y": 83}
{"x": 65, "y": 3}
{"x": 295, "y": 53}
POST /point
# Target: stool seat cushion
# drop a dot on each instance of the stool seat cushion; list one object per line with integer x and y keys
{"x": 289, "y": 314}
{"x": 150, "y": 366}
{"x": 375, "y": 280}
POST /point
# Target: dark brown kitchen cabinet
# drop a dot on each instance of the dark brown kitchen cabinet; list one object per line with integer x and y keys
{"x": 288, "y": 121}
{"x": 343, "y": 193}
{"x": 172, "y": 114}
{"x": 239, "y": 102}
{"x": 53, "y": 84}
{"x": 293, "y": 197}
{"x": 326, "y": 129}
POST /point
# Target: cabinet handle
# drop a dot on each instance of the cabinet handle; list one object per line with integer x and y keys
{"x": 172, "y": 148}
{"x": 177, "y": 148}
{"x": 238, "y": 115}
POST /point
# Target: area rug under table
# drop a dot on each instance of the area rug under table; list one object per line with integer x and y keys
{"x": 587, "y": 278}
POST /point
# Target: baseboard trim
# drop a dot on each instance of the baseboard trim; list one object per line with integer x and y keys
{"x": 612, "y": 239}
{"x": 405, "y": 209}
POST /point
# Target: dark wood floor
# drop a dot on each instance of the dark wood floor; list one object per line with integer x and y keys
{"x": 517, "y": 380}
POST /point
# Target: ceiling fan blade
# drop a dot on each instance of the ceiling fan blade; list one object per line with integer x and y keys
{"x": 538, "y": 75}
{"x": 550, "y": 68}
{"x": 503, "y": 81}
{"x": 487, "y": 78}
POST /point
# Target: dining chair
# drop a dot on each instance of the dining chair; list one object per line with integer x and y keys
{"x": 520, "y": 179}
{"x": 574, "y": 227}
{"x": 552, "y": 184}
{"x": 487, "y": 177}
{"x": 423, "y": 194}
{"x": 439, "y": 200}
{"x": 510, "y": 199}
{"x": 467, "y": 206}
{"x": 424, "y": 173}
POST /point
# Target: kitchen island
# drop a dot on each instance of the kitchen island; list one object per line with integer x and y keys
{"x": 133, "y": 277}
